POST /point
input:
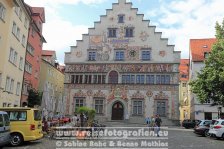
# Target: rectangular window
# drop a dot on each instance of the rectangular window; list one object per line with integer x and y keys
{"x": 79, "y": 102}
{"x": 26, "y": 23}
{"x": 20, "y": 14}
{"x": 138, "y": 79}
{"x": 30, "y": 49}
{"x": 95, "y": 79}
{"x": 18, "y": 33}
{"x": 150, "y": 79}
{"x": 28, "y": 67}
{"x": 21, "y": 63}
{"x": 103, "y": 79}
{"x": 23, "y": 40}
{"x": 145, "y": 55}
{"x": 167, "y": 79}
{"x": 92, "y": 56}
{"x": 132, "y": 79}
{"x": 7, "y": 84}
{"x": 112, "y": 32}
{"x": 12, "y": 86}
{"x": 88, "y": 79}
{"x": 11, "y": 54}
{"x": 18, "y": 88}
{"x": 15, "y": 57}
{"x": 78, "y": 79}
{"x": 142, "y": 81}
{"x": 17, "y": 115}
{"x": 184, "y": 84}
{"x": 158, "y": 79}
{"x": 119, "y": 55}
{"x": 137, "y": 107}
{"x": 121, "y": 18}
{"x": 2, "y": 12}
{"x": 129, "y": 32}
{"x": 99, "y": 106}
{"x": 162, "y": 79}
{"x": 14, "y": 28}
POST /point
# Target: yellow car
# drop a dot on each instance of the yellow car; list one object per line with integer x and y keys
{"x": 25, "y": 124}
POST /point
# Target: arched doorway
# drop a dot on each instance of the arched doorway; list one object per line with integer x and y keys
{"x": 113, "y": 77}
{"x": 117, "y": 111}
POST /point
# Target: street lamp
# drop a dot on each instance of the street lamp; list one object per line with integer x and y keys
{"x": 219, "y": 111}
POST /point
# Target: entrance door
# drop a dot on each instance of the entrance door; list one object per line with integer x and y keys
{"x": 117, "y": 111}
{"x": 161, "y": 108}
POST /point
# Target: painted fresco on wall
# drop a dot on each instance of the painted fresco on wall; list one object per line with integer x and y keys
{"x": 119, "y": 67}
{"x": 99, "y": 94}
{"x": 121, "y": 93}
{"x": 80, "y": 93}
{"x": 143, "y": 36}
{"x": 137, "y": 95}
{"x": 162, "y": 53}
{"x": 161, "y": 95}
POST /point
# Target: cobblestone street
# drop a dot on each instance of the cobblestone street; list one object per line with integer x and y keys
{"x": 178, "y": 138}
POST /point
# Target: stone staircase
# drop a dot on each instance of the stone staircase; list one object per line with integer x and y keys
{"x": 113, "y": 123}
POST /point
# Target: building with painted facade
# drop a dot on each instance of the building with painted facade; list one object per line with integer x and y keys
{"x": 184, "y": 89}
{"x": 123, "y": 69}
{"x": 33, "y": 52}
{"x": 199, "y": 51}
{"x": 14, "y": 26}
{"x": 52, "y": 86}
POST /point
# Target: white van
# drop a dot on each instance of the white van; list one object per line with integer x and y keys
{"x": 4, "y": 129}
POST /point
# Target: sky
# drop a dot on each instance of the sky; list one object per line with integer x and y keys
{"x": 178, "y": 20}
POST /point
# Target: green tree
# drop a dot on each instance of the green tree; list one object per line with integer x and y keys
{"x": 210, "y": 80}
{"x": 34, "y": 98}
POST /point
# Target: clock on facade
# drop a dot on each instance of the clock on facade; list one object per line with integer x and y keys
{"x": 132, "y": 53}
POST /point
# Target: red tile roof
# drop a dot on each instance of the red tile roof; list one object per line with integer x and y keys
{"x": 39, "y": 10}
{"x": 48, "y": 53}
{"x": 184, "y": 69}
{"x": 198, "y": 47}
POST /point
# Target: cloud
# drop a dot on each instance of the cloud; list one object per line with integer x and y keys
{"x": 60, "y": 35}
{"x": 58, "y": 2}
{"x": 183, "y": 20}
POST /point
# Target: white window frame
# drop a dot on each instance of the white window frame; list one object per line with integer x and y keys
{"x": 2, "y": 12}
{"x": 18, "y": 88}
{"x": 7, "y": 84}
{"x": 21, "y": 63}
{"x": 12, "y": 85}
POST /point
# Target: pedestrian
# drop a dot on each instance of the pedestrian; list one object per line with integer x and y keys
{"x": 82, "y": 119}
{"x": 147, "y": 121}
{"x": 152, "y": 122}
{"x": 158, "y": 122}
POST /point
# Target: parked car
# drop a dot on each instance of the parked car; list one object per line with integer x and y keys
{"x": 187, "y": 123}
{"x": 202, "y": 127}
{"x": 4, "y": 129}
{"x": 218, "y": 129}
{"x": 25, "y": 124}
{"x": 66, "y": 119}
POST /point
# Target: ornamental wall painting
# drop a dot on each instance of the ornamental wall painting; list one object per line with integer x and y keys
{"x": 79, "y": 93}
{"x": 137, "y": 95}
{"x": 119, "y": 67}
{"x": 99, "y": 94}
{"x": 143, "y": 36}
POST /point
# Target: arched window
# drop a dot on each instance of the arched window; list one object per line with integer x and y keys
{"x": 113, "y": 77}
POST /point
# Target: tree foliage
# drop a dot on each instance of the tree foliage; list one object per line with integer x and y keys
{"x": 210, "y": 80}
{"x": 34, "y": 98}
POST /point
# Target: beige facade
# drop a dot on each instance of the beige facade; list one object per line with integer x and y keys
{"x": 185, "y": 107}
{"x": 14, "y": 24}
{"x": 123, "y": 69}
{"x": 52, "y": 87}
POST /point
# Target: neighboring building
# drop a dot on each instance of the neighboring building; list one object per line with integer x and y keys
{"x": 123, "y": 69}
{"x": 184, "y": 96}
{"x": 52, "y": 87}
{"x": 14, "y": 24}
{"x": 33, "y": 52}
{"x": 199, "y": 51}
{"x": 49, "y": 56}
